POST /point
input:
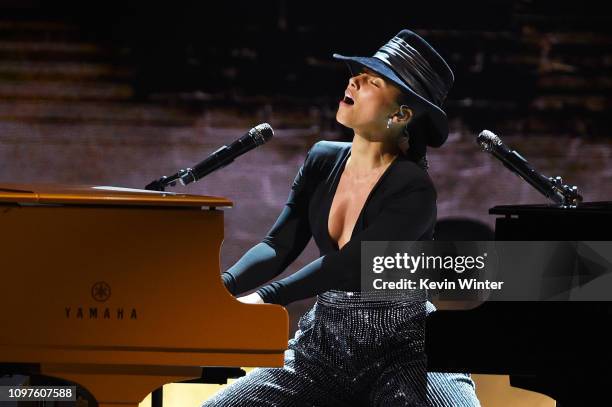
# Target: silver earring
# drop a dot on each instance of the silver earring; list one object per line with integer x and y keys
{"x": 389, "y": 122}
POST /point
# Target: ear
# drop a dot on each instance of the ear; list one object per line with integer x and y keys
{"x": 404, "y": 115}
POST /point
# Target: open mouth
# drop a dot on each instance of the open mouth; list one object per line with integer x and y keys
{"x": 347, "y": 100}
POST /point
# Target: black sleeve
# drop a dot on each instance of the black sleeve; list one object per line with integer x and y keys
{"x": 283, "y": 244}
{"x": 406, "y": 217}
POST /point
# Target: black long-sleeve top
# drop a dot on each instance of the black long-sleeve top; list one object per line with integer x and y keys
{"x": 400, "y": 207}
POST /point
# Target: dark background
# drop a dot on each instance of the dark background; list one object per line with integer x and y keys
{"x": 120, "y": 93}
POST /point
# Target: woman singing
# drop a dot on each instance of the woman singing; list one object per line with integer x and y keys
{"x": 354, "y": 347}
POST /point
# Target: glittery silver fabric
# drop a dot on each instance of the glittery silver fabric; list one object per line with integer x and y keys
{"x": 354, "y": 349}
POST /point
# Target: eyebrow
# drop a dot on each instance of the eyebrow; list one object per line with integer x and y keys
{"x": 370, "y": 72}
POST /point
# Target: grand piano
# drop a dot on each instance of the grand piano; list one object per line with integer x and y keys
{"x": 112, "y": 288}
{"x": 561, "y": 349}
{"x": 118, "y": 291}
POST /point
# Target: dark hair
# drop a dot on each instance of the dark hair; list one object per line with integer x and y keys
{"x": 416, "y": 131}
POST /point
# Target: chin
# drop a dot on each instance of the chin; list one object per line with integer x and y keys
{"x": 340, "y": 118}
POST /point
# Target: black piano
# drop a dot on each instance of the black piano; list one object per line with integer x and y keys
{"x": 561, "y": 349}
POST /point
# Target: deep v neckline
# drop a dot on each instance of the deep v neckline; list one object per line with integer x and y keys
{"x": 334, "y": 189}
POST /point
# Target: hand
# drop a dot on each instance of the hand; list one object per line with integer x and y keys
{"x": 251, "y": 299}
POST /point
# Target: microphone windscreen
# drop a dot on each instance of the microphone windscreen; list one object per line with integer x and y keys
{"x": 486, "y": 139}
{"x": 262, "y": 133}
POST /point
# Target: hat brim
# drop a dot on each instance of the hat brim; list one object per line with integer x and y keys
{"x": 436, "y": 115}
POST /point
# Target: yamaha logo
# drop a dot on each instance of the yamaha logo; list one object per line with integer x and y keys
{"x": 101, "y": 291}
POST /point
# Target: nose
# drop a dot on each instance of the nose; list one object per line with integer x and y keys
{"x": 354, "y": 81}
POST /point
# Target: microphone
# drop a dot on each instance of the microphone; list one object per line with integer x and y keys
{"x": 218, "y": 159}
{"x": 226, "y": 154}
{"x": 552, "y": 188}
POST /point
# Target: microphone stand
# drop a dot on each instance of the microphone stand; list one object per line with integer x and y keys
{"x": 162, "y": 183}
{"x": 566, "y": 196}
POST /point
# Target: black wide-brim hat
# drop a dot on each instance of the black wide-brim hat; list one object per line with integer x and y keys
{"x": 418, "y": 70}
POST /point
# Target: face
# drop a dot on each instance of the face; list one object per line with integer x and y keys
{"x": 374, "y": 99}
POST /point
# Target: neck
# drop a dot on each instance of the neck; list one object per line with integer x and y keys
{"x": 368, "y": 155}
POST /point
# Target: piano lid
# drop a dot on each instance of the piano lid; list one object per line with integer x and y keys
{"x": 102, "y": 195}
{"x": 590, "y": 208}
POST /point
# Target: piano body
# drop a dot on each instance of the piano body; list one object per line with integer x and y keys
{"x": 561, "y": 349}
{"x": 118, "y": 290}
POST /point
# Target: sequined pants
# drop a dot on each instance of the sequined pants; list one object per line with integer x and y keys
{"x": 354, "y": 349}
